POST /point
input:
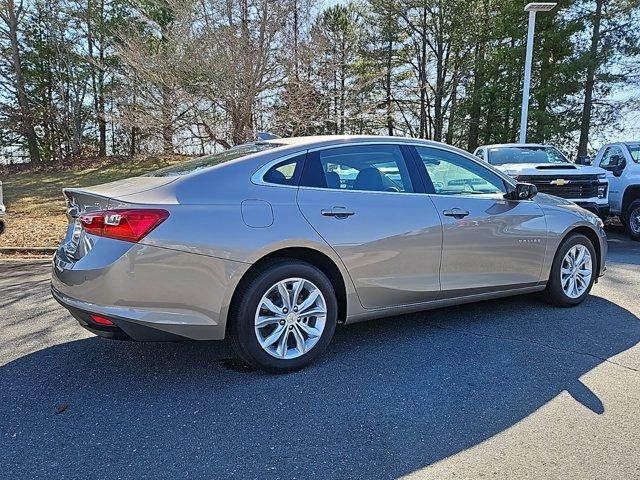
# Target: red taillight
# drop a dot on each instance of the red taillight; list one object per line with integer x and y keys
{"x": 130, "y": 225}
{"x": 101, "y": 320}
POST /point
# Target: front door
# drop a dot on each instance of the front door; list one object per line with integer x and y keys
{"x": 361, "y": 199}
{"x": 489, "y": 243}
{"x": 615, "y": 163}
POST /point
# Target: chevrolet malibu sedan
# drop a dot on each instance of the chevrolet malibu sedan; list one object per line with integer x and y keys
{"x": 272, "y": 244}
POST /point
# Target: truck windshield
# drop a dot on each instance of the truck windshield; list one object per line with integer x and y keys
{"x": 504, "y": 155}
{"x": 200, "y": 163}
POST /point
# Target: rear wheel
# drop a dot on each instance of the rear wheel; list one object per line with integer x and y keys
{"x": 573, "y": 272}
{"x": 285, "y": 316}
{"x": 631, "y": 220}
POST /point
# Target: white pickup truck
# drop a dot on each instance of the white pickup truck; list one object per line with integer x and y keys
{"x": 621, "y": 160}
{"x": 550, "y": 171}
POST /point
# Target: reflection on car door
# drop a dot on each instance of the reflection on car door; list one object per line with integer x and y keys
{"x": 489, "y": 243}
{"x": 361, "y": 200}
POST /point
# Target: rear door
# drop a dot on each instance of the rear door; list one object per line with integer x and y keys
{"x": 489, "y": 243}
{"x": 364, "y": 201}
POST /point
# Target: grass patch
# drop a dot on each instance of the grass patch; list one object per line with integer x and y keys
{"x": 35, "y": 205}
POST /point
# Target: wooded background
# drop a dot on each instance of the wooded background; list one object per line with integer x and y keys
{"x": 119, "y": 77}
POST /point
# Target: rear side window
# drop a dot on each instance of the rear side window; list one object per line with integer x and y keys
{"x": 373, "y": 168}
{"x": 286, "y": 172}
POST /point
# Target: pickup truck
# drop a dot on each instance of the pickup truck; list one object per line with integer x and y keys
{"x": 621, "y": 160}
{"x": 551, "y": 172}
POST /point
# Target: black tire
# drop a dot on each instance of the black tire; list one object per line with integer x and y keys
{"x": 634, "y": 233}
{"x": 242, "y": 332}
{"x": 555, "y": 293}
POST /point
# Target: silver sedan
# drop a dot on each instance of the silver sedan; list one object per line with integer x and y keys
{"x": 272, "y": 244}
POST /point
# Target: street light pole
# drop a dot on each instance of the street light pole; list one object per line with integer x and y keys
{"x": 532, "y": 8}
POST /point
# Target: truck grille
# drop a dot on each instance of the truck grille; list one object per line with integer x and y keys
{"x": 577, "y": 186}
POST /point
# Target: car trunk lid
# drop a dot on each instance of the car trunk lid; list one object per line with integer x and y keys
{"x": 99, "y": 197}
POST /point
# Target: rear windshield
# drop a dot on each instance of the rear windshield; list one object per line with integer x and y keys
{"x": 504, "y": 155}
{"x": 200, "y": 163}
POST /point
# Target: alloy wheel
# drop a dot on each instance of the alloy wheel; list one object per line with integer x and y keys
{"x": 290, "y": 318}
{"x": 634, "y": 221}
{"x": 576, "y": 271}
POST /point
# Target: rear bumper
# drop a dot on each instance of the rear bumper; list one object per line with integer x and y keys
{"x": 602, "y": 210}
{"x": 149, "y": 293}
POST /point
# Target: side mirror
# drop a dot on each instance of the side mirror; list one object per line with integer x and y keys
{"x": 618, "y": 163}
{"x": 585, "y": 160}
{"x": 523, "y": 191}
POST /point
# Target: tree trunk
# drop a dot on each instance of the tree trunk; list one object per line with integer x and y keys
{"x": 453, "y": 108}
{"x": 97, "y": 72}
{"x": 423, "y": 75}
{"x": 388, "y": 87}
{"x": 476, "y": 105}
{"x": 10, "y": 17}
{"x": 590, "y": 83}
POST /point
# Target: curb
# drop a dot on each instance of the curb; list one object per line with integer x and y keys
{"x": 27, "y": 250}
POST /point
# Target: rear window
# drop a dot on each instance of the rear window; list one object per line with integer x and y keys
{"x": 201, "y": 163}
{"x": 504, "y": 155}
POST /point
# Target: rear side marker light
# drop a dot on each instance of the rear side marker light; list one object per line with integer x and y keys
{"x": 101, "y": 320}
{"x": 130, "y": 225}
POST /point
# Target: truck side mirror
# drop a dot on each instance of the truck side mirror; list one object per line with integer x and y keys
{"x": 618, "y": 163}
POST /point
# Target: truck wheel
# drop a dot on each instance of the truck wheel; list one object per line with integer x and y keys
{"x": 632, "y": 220}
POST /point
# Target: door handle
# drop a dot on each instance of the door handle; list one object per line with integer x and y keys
{"x": 338, "y": 212}
{"x": 456, "y": 213}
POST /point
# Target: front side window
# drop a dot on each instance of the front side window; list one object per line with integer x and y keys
{"x": 612, "y": 158}
{"x": 453, "y": 174}
{"x": 525, "y": 154}
{"x": 373, "y": 168}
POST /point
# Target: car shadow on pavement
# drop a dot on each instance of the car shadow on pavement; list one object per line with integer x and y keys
{"x": 389, "y": 397}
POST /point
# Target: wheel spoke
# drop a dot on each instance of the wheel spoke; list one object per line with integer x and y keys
{"x": 313, "y": 312}
{"x": 282, "y": 343}
{"x": 264, "y": 320}
{"x": 284, "y": 293}
{"x": 300, "y": 344}
{"x": 297, "y": 288}
{"x": 310, "y": 300}
{"x": 274, "y": 336}
{"x": 271, "y": 306}
{"x": 309, "y": 330}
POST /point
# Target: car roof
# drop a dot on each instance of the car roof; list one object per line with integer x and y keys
{"x": 535, "y": 145}
{"x": 315, "y": 139}
{"x": 326, "y": 140}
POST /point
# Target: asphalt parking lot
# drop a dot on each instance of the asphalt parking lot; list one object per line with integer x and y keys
{"x": 503, "y": 389}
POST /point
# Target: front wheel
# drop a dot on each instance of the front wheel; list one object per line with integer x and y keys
{"x": 285, "y": 316}
{"x": 573, "y": 272}
{"x": 631, "y": 220}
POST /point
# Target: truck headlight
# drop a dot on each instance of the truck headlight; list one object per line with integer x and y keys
{"x": 602, "y": 190}
{"x": 602, "y": 176}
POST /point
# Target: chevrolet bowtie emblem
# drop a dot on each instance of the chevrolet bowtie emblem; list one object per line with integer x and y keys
{"x": 560, "y": 182}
